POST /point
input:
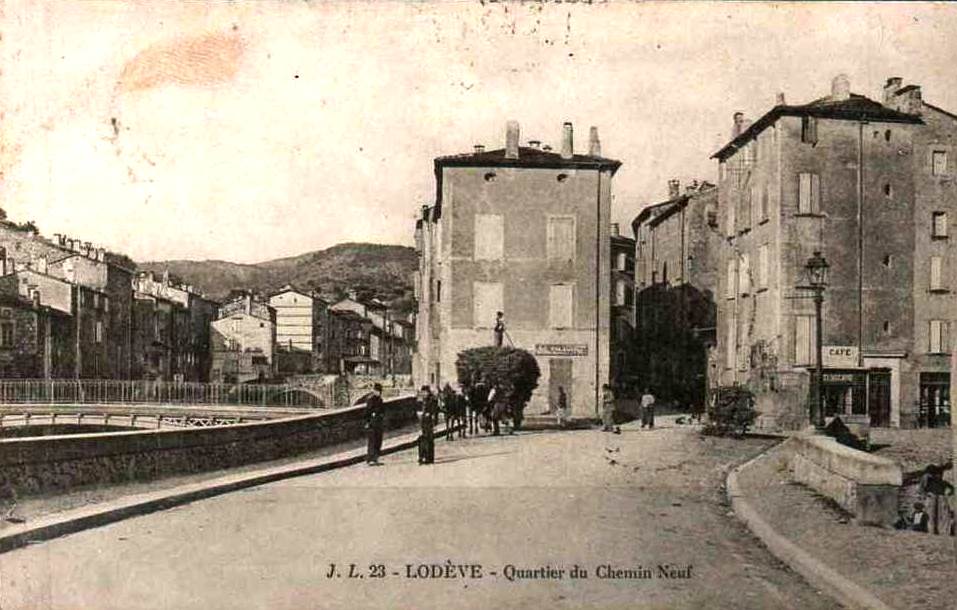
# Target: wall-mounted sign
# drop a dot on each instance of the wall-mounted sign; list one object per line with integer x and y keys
{"x": 840, "y": 356}
{"x": 561, "y": 349}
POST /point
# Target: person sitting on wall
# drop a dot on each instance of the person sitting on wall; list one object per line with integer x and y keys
{"x": 920, "y": 519}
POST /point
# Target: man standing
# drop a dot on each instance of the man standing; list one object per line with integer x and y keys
{"x": 499, "y": 328}
{"x": 430, "y": 410}
{"x": 648, "y": 409}
{"x": 374, "y": 425}
{"x": 607, "y": 408}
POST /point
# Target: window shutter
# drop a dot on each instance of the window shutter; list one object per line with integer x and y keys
{"x": 815, "y": 193}
{"x": 935, "y": 337}
{"x": 935, "y": 271}
{"x": 804, "y": 194}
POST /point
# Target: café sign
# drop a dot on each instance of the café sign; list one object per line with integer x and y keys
{"x": 561, "y": 349}
{"x": 840, "y": 356}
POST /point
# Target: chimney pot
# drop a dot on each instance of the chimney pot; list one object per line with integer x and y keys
{"x": 512, "y": 133}
{"x": 568, "y": 141}
{"x": 594, "y": 144}
{"x": 479, "y": 148}
{"x": 536, "y": 144}
{"x": 779, "y": 101}
{"x": 674, "y": 188}
{"x": 840, "y": 87}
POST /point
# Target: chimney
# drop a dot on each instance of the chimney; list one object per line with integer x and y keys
{"x": 738, "y": 125}
{"x": 594, "y": 144}
{"x": 674, "y": 188}
{"x": 479, "y": 148}
{"x": 912, "y": 102}
{"x": 512, "y": 133}
{"x": 615, "y": 229}
{"x": 568, "y": 141}
{"x": 779, "y": 100}
{"x": 840, "y": 88}
{"x": 536, "y": 144}
{"x": 891, "y": 87}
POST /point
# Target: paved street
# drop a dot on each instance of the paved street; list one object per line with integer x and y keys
{"x": 634, "y": 501}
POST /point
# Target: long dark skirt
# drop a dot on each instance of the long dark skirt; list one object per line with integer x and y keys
{"x": 374, "y": 444}
{"x": 427, "y": 442}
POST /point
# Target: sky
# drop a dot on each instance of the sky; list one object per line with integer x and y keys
{"x": 257, "y": 130}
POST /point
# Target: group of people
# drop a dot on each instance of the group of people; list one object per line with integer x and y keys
{"x": 935, "y": 513}
{"x": 608, "y": 409}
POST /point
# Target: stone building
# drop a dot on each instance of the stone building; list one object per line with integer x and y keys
{"x": 243, "y": 341}
{"x": 171, "y": 330}
{"x": 525, "y": 231}
{"x": 935, "y": 255}
{"x": 103, "y": 279}
{"x": 677, "y": 246}
{"x": 385, "y": 349}
{"x": 622, "y": 307}
{"x": 298, "y": 331}
{"x": 865, "y": 184}
{"x": 37, "y": 340}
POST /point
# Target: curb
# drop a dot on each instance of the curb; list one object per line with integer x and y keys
{"x": 79, "y": 519}
{"x": 819, "y": 575}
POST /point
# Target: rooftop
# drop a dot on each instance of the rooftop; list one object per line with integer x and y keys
{"x": 854, "y": 108}
{"x": 527, "y": 157}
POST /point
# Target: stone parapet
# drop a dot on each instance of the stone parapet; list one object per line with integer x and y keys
{"x": 55, "y": 463}
{"x": 863, "y": 484}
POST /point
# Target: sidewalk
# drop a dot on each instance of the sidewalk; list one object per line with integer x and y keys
{"x": 903, "y": 569}
{"x": 35, "y": 515}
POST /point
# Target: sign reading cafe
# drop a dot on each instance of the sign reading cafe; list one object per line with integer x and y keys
{"x": 561, "y": 349}
{"x": 840, "y": 356}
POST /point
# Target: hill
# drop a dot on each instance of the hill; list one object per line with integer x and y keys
{"x": 370, "y": 269}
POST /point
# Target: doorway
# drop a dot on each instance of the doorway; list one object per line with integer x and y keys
{"x": 879, "y": 398}
{"x": 559, "y": 375}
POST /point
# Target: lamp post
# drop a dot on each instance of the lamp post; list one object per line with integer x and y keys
{"x": 816, "y": 269}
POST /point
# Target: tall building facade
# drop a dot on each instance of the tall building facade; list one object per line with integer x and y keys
{"x": 524, "y": 231}
{"x": 850, "y": 178}
{"x": 677, "y": 245}
{"x": 622, "y": 322}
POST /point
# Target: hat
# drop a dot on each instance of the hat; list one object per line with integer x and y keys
{"x": 919, "y": 505}
{"x": 377, "y": 387}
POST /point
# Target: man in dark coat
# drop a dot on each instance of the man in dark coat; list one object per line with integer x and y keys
{"x": 430, "y": 408}
{"x": 374, "y": 425}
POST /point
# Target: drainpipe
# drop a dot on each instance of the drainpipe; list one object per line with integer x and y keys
{"x": 598, "y": 279}
{"x": 860, "y": 244}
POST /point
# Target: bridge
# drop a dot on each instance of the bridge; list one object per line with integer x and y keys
{"x": 146, "y": 416}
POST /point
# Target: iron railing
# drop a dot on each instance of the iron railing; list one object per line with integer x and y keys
{"x": 110, "y": 391}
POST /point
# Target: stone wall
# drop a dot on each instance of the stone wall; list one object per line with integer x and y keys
{"x": 58, "y": 463}
{"x": 863, "y": 484}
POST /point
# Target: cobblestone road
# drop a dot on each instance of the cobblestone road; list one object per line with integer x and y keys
{"x": 637, "y": 501}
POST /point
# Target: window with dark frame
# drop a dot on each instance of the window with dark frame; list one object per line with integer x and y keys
{"x": 809, "y": 130}
{"x": 939, "y": 224}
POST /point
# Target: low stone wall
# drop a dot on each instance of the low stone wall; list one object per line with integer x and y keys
{"x": 55, "y": 463}
{"x": 863, "y": 484}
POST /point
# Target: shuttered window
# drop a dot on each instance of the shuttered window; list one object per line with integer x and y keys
{"x": 561, "y": 238}
{"x": 763, "y": 263}
{"x": 935, "y": 273}
{"x": 939, "y": 337}
{"x": 489, "y": 237}
{"x": 803, "y": 339}
{"x": 809, "y": 194}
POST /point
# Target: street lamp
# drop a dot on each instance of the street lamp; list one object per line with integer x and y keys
{"x": 816, "y": 270}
